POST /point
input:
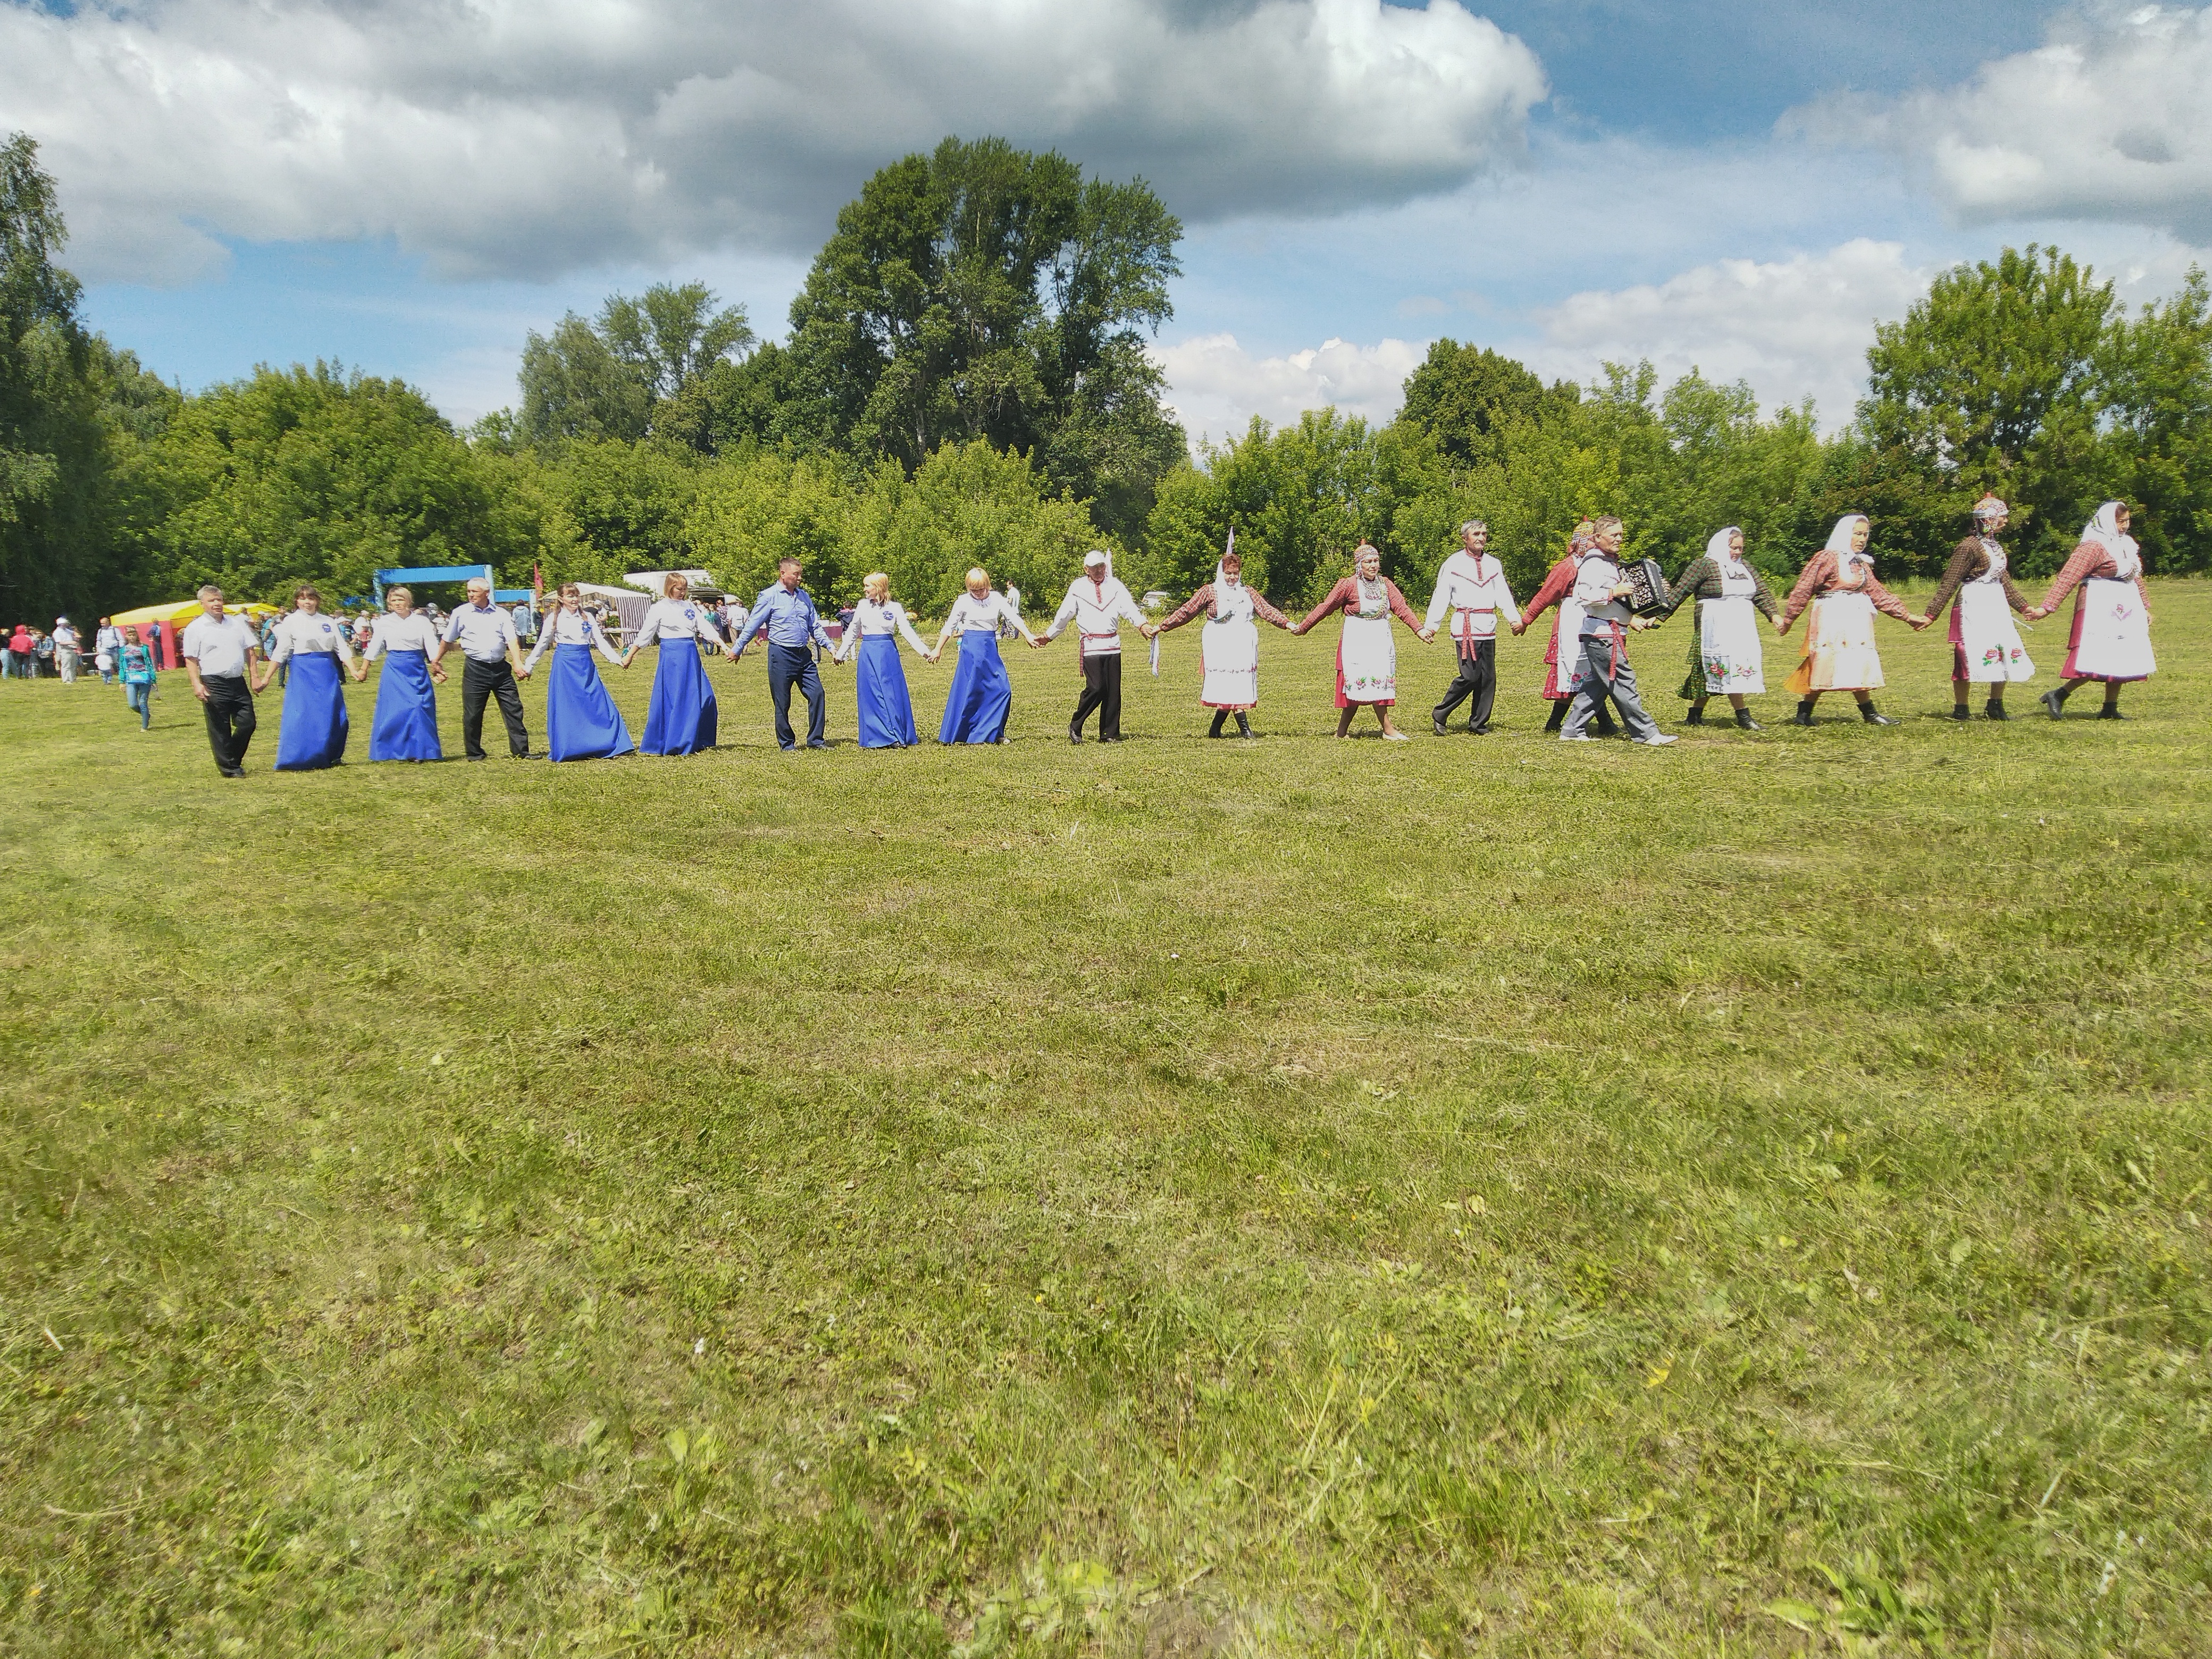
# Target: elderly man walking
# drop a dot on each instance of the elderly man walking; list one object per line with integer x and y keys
{"x": 1472, "y": 587}
{"x": 219, "y": 649}
{"x": 485, "y": 633}
{"x": 794, "y": 628}
{"x": 1098, "y": 603}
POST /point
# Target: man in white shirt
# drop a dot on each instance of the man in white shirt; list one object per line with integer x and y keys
{"x": 1472, "y": 586}
{"x": 1606, "y": 623}
{"x": 1098, "y": 603}
{"x": 485, "y": 634}
{"x": 107, "y": 647}
{"x": 66, "y": 645}
{"x": 218, "y": 651}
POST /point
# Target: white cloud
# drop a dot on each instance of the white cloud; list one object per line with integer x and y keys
{"x": 2106, "y": 120}
{"x": 527, "y": 137}
{"x": 1790, "y": 327}
{"x": 1215, "y": 387}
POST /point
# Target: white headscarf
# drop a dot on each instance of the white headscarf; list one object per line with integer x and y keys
{"x": 1716, "y": 545}
{"x": 1839, "y": 541}
{"x": 1221, "y": 576}
{"x": 2104, "y": 531}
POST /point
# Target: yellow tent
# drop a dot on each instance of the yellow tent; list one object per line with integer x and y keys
{"x": 183, "y": 610}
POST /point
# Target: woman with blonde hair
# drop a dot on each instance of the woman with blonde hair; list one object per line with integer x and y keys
{"x": 682, "y": 718}
{"x": 981, "y": 697}
{"x": 879, "y": 693}
{"x": 581, "y": 720}
{"x": 318, "y": 654}
{"x": 405, "y": 724}
{"x": 1838, "y": 585}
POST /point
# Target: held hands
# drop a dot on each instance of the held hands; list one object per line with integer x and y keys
{"x": 1428, "y": 635}
{"x": 1919, "y": 622}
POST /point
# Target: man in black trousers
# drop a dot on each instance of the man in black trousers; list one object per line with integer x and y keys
{"x": 486, "y": 635}
{"x": 218, "y": 650}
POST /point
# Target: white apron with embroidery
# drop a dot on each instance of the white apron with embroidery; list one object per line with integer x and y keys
{"x": 1229, "y": 645}
{"x": 1727, "y": 636}
{"x": 1840, "y": 654}
{"x": 1367, "y": 658}
{"x": 2115, "y": 643}
{"x": 1987, "y": 638}
{"x": 1569, "y": 665}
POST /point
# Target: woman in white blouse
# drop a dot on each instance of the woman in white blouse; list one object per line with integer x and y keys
{"x": 405, "y": 728}
{"x": 313, "y": 732}
{"x": 682, "y": 718}
{"x": 879, "y": 685}
{"x": 581, "y": 720}
{"x": 982, "y": 696}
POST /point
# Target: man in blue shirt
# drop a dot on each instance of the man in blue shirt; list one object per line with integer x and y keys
{"x": 787, "y": 611}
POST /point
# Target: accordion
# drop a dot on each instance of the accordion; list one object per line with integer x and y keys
{"x": 1647, "y": 586}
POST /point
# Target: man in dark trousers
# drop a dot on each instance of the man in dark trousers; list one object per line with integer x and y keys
{"x": 485, "y": 633}
{"x": 1098, "y": 603}
{"x": 794, "y": 628}
{"x": 219, "y": 648}
{"x": 1472, "y": 587}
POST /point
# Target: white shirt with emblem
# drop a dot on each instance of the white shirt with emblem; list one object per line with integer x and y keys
{"x": 308, "y": 631}
{"x": 571, "y": 628}
{"x": 678, "y": 619}
{"x": 412, "y": 632}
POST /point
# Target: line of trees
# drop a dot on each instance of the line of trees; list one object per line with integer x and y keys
{"x": 966, "y": 379}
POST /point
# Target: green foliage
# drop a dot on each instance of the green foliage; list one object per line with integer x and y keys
{"x": 611, "y": 379}
{"x": 1465, "y": 395}
{"x": 982, "y": 292}
{"x": 965, "y": 505}
{"x": 317, "y": 475}
{"x": 2155, "y": 384}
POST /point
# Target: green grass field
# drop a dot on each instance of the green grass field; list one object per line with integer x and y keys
{"x": 1481, "y": 1195}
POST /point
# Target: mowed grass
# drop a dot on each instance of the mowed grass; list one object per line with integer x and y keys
{"x": 1482, "y": 1195}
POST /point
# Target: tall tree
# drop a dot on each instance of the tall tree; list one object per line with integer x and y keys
{"x": 614, "y": 377}
{"x": 2154, "y": 380}
{"x": 36, "y": 297}
{"x": 1464, "y": 395}
{"x": 985, "y": 293}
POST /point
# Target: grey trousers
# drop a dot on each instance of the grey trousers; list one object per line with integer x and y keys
{"x": 1601, "y": 679}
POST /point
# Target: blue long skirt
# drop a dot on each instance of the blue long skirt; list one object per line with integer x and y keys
{"x": 982, "y": 695}
{"x": 682, "y": 718}
{"x": 581, "y": 720}
{"x": 314, "y": 733}
{"x": 406, "y": 723}
{"x": 879, "y": 693}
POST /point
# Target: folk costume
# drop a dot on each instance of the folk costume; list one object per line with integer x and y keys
{"x": 1603, "y": 640}
{"x": 405, "y": 724}
{"x": 1228, "y": 646}
{"x": 1098, "y": 603}
{"x": 683, "y": 717}
{"x": 879, "y": 693}
{"x": 1839, "y": 587}
{"x": 2110, "y": 641}
{"x": 1472, "y": 587}
{"x": 1726, "y": 657}
{"x": 1562, "y": 679}
{"x": 318, "y": 654}
{"x": 794, "y": 629}
{"x": 581, "y": 720}
{"x": 981, "y": 697}
{"x": 1366, "y": 652}
{"x": 1985, "y": 647}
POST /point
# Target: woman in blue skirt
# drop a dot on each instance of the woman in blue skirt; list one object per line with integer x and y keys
{"x": 405, "y": 728}
{"x": 682, "y": 717}
{"x": 310, "y": 648}
{"x": 879, "y": 686}
{"x": 581, "y": 720}
{"x": 981, "y": 697}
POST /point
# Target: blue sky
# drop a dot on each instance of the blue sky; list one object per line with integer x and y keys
{"x": 410, "y": 186}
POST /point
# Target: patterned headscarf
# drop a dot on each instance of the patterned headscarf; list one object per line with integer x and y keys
{"x": 1990, "y": 507}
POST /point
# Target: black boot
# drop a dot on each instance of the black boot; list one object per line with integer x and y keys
{"x": 1696, "y": 716}
{"x": 1605, "y": 728}
{"x": 1994, "y": 710}
{"x": 1873, "y": 717}
{"x": 2054, "y": 701}
{"x": 1744, "y": 719}
{"x": 2111, "y": 711}
{"x": 1436, "y": 723}
{"x": 1220, "y": 716}
{"x": 1960, "y": 712}
{"x": 1244, "y": 725}
{"x": 1558, "y": 717}
{"x": 1804, "y": 715}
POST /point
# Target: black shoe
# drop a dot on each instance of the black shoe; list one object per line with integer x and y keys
{"x": 2053, "y": 704}
{"x": 1803, "y": 716}
{"x": 1960, "y": 712}
{"x": 233, "y": 771}
{"x": 817, "y": 743}
{"x": 1696, "y": 716}
{"x": 1867, "y": 713}
{"x": 1478, "y": 730}
{"x": 1607, "y": 729}
{"x": 2109, "y": 711}
{"x": 1994, "y": 710}
{"x": 478, "y": 757}
{"x": 1243, "y": 724}
{"x": 1743, "y": 719}
{"x": 1074, "y": 736}
{"x": 1436, "y": 725}
{"x": 1117, "y": 737}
